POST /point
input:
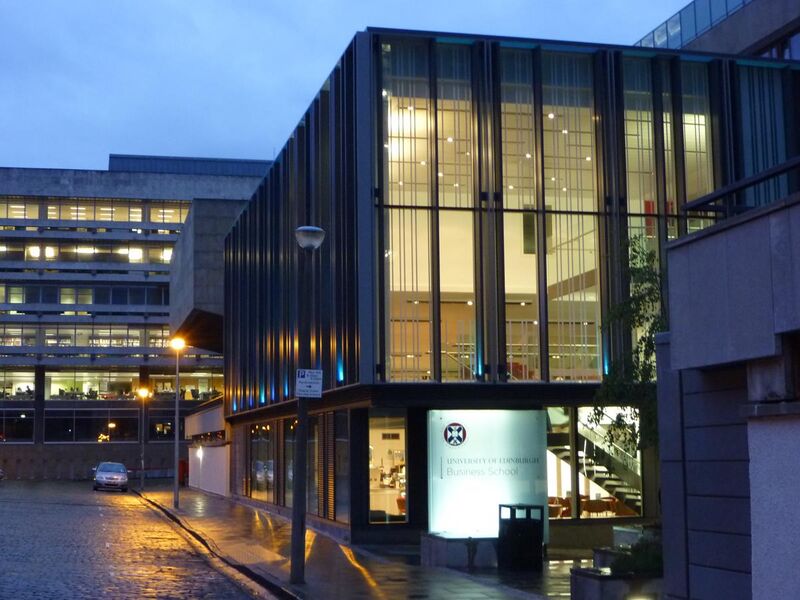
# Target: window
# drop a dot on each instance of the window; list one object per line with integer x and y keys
{"x": 262, "y": 462}
{"x": 16, "y": 426}
{"x": 387, "y": 469}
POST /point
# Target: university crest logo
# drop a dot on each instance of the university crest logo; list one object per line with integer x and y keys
{"x": 455, "y": 434}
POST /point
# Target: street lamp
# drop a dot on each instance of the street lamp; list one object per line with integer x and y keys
{"x": 177, "y": 344}
{"x": 309, "y": 238}
{"x": 142, "y": 392}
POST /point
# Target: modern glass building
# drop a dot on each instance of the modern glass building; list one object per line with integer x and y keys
{"x": 477, "y": 194}
{"x": 84, "y": 304}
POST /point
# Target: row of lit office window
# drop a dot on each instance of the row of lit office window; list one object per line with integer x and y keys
{"x": 53, "y": 294}
{"x": 98, "y": 336}
{"x": 69, "y": 209}
{"x": 104, "y": 252}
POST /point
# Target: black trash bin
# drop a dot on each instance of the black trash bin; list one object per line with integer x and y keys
{"x": 521, "y": 537}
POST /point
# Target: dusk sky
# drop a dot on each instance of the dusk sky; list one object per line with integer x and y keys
{"x": 84, "y": 78}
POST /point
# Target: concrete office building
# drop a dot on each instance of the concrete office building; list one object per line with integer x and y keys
{"x": 84, "y": 306}
{"x": 766, "y": 28}
{"x": 476, "y": 194}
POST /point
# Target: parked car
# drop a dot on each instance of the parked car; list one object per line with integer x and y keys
{"x": 2, "y": 474}
{"x": 111, "y": 475}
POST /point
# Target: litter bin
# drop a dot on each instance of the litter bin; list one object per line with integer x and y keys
{"x": 521, "y": 537}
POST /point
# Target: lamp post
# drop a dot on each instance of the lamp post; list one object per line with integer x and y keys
{"x": 177, "y": 344}
{"x": 142, "y": 393}
{"x": 309, "y": 238}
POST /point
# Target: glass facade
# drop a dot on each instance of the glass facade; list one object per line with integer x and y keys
{"x": 690, "y": 22}
{"x": 476, "y": 214}
{"x": 270, "y": 456}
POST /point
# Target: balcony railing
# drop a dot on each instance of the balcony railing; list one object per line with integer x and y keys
{"x": 764, "y": 188}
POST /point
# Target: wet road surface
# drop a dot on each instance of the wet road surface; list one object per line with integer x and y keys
{"x": 63, "y": 540}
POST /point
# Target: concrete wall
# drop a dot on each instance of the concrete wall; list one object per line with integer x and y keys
{"x": 198, "y": 267}
{"x": 75, "y": 461}
{"x": 734, "y": 288}
{"x": 110, "y": 184}
{"x": 705, "y": 492}
{"x": 209, "y": 468}
{"x": 774, "y": 443}
{"x": 750, "y": 28}
{"x": 204, "y": 421}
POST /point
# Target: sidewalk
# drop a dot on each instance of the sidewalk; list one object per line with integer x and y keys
{"x": 252, "y": 538}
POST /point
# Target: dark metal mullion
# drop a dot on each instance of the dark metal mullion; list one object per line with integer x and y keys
{"x": 677, "y": 140}
{"x": 380, "y": 202}
{"x": 482, "y": 180}
{"x": 433, "y": 141}
{"x": 541, "y": 219}
{"x": 497, "y": 218}
{"x": 617, "y": 244}
{"x": 790, "y": 99}
{"x": 605, "y": 189}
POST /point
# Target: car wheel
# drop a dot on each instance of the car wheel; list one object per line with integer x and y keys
{"x": 124, "y": 489}
{"x": 94, "y": 487}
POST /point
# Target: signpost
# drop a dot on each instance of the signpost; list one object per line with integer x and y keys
{"x": 308, "y": 383}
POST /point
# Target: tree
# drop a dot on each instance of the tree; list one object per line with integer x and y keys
{"x": 630, "y": 382}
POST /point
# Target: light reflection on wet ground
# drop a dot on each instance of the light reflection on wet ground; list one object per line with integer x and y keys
{"x": 63, "y": 540}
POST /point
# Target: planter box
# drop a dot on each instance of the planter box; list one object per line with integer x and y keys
{"x": 600, "y": 584}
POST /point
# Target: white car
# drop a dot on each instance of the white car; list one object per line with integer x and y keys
{"x": 110, "y": 475}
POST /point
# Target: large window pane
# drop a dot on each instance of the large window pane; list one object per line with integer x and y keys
{"x": 262, "y": 462}
{"x": 639, "y": 153}
{"x": 288, "y": 460}
{"x": 560, "y": 498}
{"x": 408, "y": 301}
{"x": 521, "y": 296}
{"x": 516, "y": 123}
{"x": 697, "y": 131}
{"x": 573, "y": 299}
{"x": 16, "y": 426}
{"x": 457, "y": 284}
{"x": 387, "y": 469}
{"x": 762, "y": 130}
{"x": 610, "y": 472}
{"x": 406, "y": 104}
{"x": 342, "y": 466}
{"x": 454, "y": 131}
{"x": 569, "y": 136}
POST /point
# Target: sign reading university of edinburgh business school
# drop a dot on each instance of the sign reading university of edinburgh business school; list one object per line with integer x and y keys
{"x": 308, "y": 383}
{"x": 478, "y": 459}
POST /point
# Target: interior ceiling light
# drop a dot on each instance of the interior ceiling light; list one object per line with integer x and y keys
{"x": 527, "y": 155}
{"x": 551, "y": 115}
{"x": 449, "y": 140}
{"x": 588, "y": 158}
{"x": 563, "y": 189}
{"x": 441, "y": 174}
{"x": 564, "y": 131}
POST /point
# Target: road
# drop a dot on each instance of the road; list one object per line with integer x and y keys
{"x": 63, "y": 540}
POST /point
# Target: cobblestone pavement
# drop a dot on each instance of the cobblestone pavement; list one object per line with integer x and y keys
{"x": 62, "y": 540}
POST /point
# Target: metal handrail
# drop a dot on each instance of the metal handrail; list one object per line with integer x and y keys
{"x": 703, "y": 203}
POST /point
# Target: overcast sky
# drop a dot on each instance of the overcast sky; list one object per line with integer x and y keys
{"x": 80, "y": 79}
